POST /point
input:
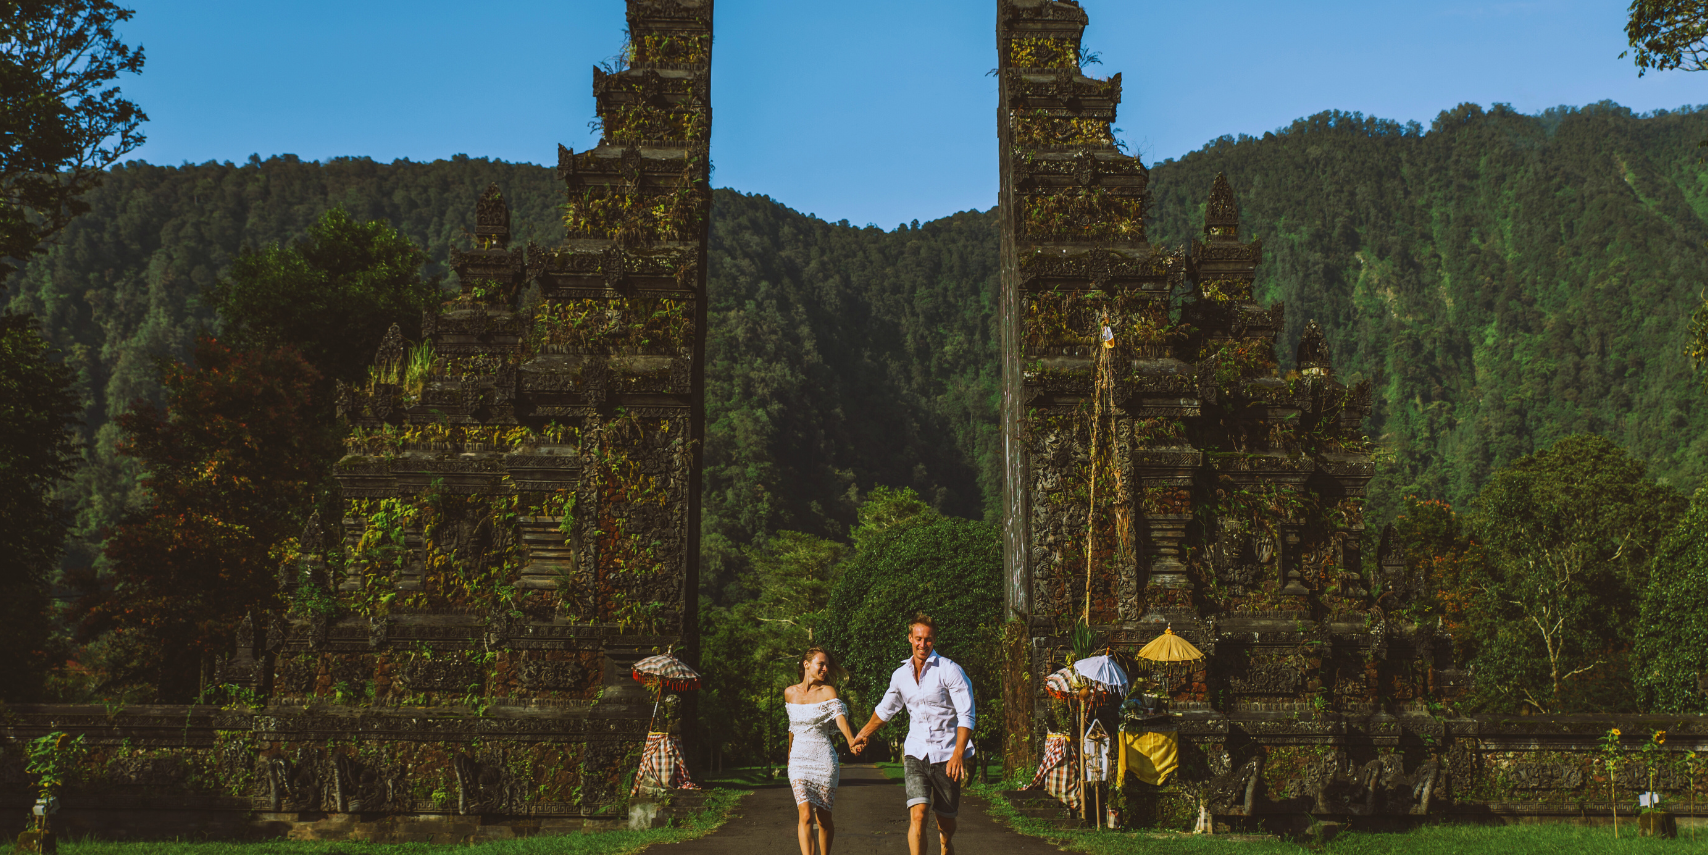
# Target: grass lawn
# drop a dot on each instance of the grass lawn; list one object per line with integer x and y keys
{"x": 725, "y": 790}
{"x": 1441, "y": 839}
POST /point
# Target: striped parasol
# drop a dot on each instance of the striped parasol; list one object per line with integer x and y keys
{"x": 1064, "y": 683}
{"x": 666, "y": 670}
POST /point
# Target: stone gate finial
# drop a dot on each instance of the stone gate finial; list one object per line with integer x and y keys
{"x": 492, "y": 220}
{"x": 1387, "y": 551}
{"x": 1221, "y": 216}
{"x": 391, "y": 348}
{"x": 313, "y": 539}
{"x": 1313, "y": 356}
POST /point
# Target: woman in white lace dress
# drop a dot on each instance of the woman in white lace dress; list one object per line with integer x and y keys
{"x": 813, "y": 769}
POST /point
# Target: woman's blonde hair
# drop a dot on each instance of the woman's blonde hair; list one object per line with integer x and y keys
{"x": 832, "y": 675}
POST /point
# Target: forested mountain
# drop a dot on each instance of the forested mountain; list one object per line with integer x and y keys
{"x": 1504, "y": 279}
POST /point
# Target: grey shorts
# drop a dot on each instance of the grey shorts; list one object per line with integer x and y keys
{"x": 930, "y": 784}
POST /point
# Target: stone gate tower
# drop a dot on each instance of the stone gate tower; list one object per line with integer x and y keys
{"x": 1159, "y": 470}
{"x": 521, "y": 490}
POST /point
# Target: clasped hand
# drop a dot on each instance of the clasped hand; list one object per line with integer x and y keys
{"x": 858, "y": 745}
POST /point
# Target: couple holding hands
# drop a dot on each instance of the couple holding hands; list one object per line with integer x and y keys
{"x": 939, "y": 702}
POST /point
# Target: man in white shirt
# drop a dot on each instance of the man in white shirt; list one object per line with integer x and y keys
{"x": 939, "y": 701}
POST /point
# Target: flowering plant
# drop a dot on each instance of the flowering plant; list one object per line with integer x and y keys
{"x": 1651, "y": 754}
{"x": 1610, "y": 760}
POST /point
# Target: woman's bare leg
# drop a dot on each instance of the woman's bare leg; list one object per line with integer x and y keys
{"x": 826, "y": 830}
{"x": 803, "y": 830}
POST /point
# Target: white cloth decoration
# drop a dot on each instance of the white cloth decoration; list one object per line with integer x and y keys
{"x": 1095, "y": 750}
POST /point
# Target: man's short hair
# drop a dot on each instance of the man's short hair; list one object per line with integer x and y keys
{"x": 921, "y": 619}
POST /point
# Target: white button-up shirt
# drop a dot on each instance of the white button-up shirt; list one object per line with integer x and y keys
{"x": 940, "y": 701}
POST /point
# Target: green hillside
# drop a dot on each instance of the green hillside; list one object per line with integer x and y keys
{"x": 1504, "y": 279}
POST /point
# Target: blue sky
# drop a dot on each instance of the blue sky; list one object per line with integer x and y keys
{"x": 871, "y": 111}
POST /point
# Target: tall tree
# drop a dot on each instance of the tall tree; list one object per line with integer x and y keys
{"x": 60, "y": 123}
{"x": 231, "y": 462}
{"x": 1568, "y": 533}
{"x": 1672, "y": 644}
{"x": 38, "y": 448}
{"x": 332, "y": 295}
{"x": 751, "y": 650}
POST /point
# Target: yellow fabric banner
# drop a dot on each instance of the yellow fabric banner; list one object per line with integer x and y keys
{"x": 1151, "y": 756}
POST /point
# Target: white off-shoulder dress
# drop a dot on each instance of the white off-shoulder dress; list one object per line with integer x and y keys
{"x": 813, "y": 769}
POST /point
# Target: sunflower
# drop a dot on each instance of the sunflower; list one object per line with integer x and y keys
{"x": 1660, "y": 737}
{"x": 1615, "y": 732}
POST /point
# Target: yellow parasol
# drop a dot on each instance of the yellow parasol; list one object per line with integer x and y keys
{"x": 1169, "y": 647}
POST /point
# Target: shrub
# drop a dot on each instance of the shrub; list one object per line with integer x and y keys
{"x": 948, "y": 567}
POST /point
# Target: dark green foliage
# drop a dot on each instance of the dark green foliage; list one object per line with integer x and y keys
{"x": 749, "y": 651}
{"x": 230, "y": 461}
{"x": 1567, "y": 534}
{"x": 38, "y": 448}
{"x": 1505, "y": 280}
{"x": 331, "y": 295}
{"x": 127, "y": 283}
{"x": 839, "y": 359}
{"x": 1668, "y": 34}
{"x": 947, "y": 567}
{"x": 1671, "y": 655}
{"x": 60, "y": 121}
{"x": 1447, "y": 563}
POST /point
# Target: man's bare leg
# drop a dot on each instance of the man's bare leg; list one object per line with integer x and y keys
{"x": 916, "y": 830}
{"x": 946, "y": 833}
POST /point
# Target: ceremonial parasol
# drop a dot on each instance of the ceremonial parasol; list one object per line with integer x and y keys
{"x": 661, "y": 762}
{"x": 1065, "y": 684}
{"x": 1058, "y": 684}
{"x": 666, "y": 670}
{"x": 1169, "y": 649}
{"x": 1103, "y": 669}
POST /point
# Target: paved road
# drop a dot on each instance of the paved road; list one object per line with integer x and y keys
{"x": 871, "y": 819}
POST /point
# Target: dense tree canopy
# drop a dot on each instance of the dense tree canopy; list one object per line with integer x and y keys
{"x": 1505, "y": 280}
{"x": 38, "y": 448}
{"x": 230, "y": 462}
{"x": 1568, "y": 534}
{"x": 1673, "y": 34}
{"x": 330, "y": 295}
{"x": 1672, "y": 639}
{"x": 60, "y": 123}
{"x": 750, "y": 650}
